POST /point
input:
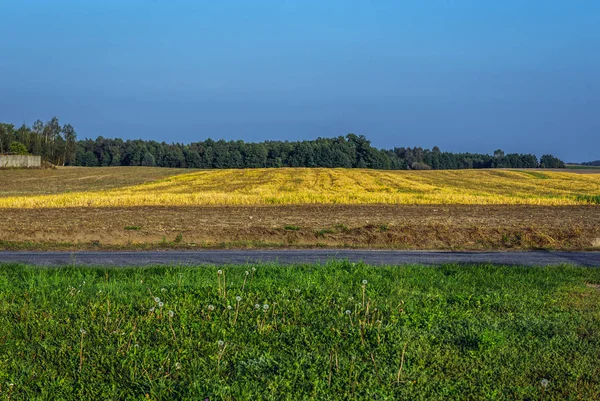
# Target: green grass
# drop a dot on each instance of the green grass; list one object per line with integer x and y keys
{"x": 466, "y": 332}
{"x": 592, "y": 199}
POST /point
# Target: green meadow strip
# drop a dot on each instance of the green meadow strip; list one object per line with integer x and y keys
{"x": 336, "y": 331}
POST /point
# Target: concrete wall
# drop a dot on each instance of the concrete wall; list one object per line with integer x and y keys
{"x": 20, "y": 161}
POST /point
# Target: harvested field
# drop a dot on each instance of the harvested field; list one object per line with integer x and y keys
{"x": 474, "y": 227}
{"x": 20, "y": 182}
{"x": 312, "y": 186}
{"x": 153, "y": 208}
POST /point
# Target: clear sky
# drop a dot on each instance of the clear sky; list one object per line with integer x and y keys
{"x": 465, "y": 75}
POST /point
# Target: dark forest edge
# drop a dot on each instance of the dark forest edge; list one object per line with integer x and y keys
{"x": 59, "y": 145}
{"x": 595, "y": 163}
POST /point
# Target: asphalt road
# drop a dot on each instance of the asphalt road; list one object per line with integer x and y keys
{"x": 373, "y": 257}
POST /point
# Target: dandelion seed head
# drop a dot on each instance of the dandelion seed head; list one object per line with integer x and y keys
{"x": 364, "y": 282}
{"x": 221, "y": 343}
{"x": 238, "y": 298}
{"x": 152, "y": 309}
{"x": 351, "y": 299}
{"x": 211, "y": 307}
{"x": 82, "y": 331}
{"x": 163, "y": 289}
{"x": 256, "y": 306}
{"x": 161, "y": 304}
{"x": 348, "y": 312}
{"x": 156, "y": 299}
{"x": 247, "y": 272}
{"x": 177, "y": 366}
{"x": 171, "y": 313}
{"x": 219, "y": 271}
{"x": 136, "y": 346}
{"x": 266, "y": 307}
{"x": 254, "y": 269}
{"x": 229, "y": 307}
{"x": 544, "y": 383}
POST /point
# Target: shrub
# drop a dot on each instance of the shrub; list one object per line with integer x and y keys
{"x": 18, "y": 148}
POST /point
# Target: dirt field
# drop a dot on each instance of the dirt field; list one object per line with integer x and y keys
{"x": 22, "y": 182}
{"x": 368, "y": 226}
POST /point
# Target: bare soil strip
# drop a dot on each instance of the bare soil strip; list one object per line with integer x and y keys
{"x": 449, "y": 227}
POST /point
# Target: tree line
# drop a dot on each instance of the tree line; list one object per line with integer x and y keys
{"x": 55, "y": 143}
{"x": 592, "y": 163}
{"x": 59, "y": 145}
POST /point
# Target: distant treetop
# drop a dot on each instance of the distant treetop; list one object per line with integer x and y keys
{"x": 59, "y": 145}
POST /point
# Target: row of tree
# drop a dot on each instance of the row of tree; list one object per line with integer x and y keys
{"x": 58, "y": 145}
{"x": 55, "y": 143}
{"x": 593, "y": 163}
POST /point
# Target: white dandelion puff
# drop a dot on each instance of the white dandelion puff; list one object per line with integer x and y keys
{"x": 254, "y": 269}
{"x": 163, "y": 289}
{"x": 221, "y": 343}
{"x": 152, "y": 309}
{"x": 211, "y": 307}
{"x": 229, "y": 307}
{"x": 348, "y": 312}
{"x": 544, "y": 383}
{"x": 219, "y": 272}
{"x": 177, "y": 366}
{"x": 156, "y": 299}
{"x": 82, "y": 331}
{"x": 171, "y": 313}
{"x": 266, "y": 307}
{"x": 238, "y": 298}
{"x": 161, "y": 304}
{"x": 256, "y": 306}
{"x": 247, "y": 272}
{"x": 364, "y": 282}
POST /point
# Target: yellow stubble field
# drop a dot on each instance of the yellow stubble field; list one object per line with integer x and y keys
{"x": 308, "y": 186}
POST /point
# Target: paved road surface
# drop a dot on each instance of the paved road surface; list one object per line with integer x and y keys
{"x": 375, "y": 257}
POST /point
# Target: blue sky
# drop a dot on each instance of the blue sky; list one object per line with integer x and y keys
{"x": 465, "y": 75}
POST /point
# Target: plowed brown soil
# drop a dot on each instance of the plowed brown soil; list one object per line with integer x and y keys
{"x": 372, "y": 226}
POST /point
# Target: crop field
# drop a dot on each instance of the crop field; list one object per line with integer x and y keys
{"x": 335, "y": 331}
{"x": 155, "y": 208}
{"x": 318, "y": 186}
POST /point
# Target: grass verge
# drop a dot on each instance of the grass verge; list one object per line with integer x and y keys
{"x": 334, "y": 331}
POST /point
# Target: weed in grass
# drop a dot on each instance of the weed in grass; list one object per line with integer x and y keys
{"x": 133, "y": 228}
{"x": 341, "y": 227}
{"x": 178, "y": 238}
{"x": 290, "y": 227}
{"x": 321, "y": 233}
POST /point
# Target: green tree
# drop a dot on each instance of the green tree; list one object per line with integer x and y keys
{"x": 148, "y": 160}
{"x": 18, "y": 148}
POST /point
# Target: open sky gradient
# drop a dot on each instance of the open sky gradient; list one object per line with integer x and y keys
{"x": 465, "y": 75}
